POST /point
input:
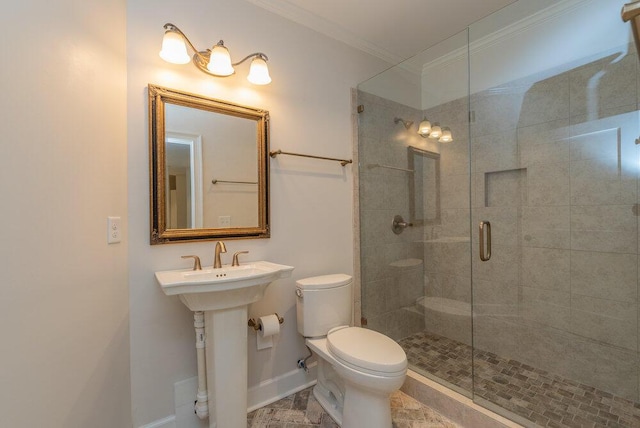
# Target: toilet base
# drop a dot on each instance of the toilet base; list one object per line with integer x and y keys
{"x": 328, "y": 403}
{"x": 352, "y": 399}
{"x": 376, "y": 415}
{"x": 365, "y": 409}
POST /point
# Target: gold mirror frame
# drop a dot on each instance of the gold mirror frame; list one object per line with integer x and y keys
{"x": 160, "y": 234}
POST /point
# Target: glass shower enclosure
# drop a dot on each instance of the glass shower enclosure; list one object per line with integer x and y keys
{"x": 512, "y": 276}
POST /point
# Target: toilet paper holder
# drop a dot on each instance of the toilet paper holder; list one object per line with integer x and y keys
{"x": 256, "y": 326}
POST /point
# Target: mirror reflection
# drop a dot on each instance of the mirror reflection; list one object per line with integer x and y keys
{"x": 228, "y": 163}
{"x": 209, "y": 179}
{"x": 183, "y": 188}
{"x": 424, "y": 187}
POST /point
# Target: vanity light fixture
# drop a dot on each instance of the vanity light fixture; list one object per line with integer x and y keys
{"x": 215, "y": 61}
{"x": 435, "y": 132}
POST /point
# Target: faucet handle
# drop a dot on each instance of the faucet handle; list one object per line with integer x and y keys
{"x": 196, "y": 261}
{"x": 235, "y": 258}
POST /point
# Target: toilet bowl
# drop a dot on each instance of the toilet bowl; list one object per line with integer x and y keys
{"x": 358, "y": 369}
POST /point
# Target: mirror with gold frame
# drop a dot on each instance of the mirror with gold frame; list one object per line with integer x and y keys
{"x": 209, "y": 176}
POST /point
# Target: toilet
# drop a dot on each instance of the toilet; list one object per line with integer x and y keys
{"x": 358, "y": 369}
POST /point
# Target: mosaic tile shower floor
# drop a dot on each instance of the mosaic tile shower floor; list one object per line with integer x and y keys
{"x": 536, "y": 395}
{"x": 303, "y": 410}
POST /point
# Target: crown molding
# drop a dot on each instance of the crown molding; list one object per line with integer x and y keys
{"x": 317, "y": 23}
{"x": 505, "y": 33}
{"x": 323, "y": 26}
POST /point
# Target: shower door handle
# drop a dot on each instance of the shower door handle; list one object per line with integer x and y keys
{"x": 485, "y": 255}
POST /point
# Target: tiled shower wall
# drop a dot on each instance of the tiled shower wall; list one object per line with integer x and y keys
{"x": 555, "y": 169}
{"x": 447, "y": 247}
{"x": 392, "y": 268}
{"x": 398, "y": 269}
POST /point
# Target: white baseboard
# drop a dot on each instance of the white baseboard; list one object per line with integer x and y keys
{"x": 184, "y": 391}
{"x": 258, "y": 396}
{"x": 168, "y": 422}
{"x": 279, "y": 387}
{"x": 184, "y": 395}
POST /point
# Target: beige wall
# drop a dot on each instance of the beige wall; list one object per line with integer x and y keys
{"x": 64, "y": 319}
{"x": 311, "y": 201}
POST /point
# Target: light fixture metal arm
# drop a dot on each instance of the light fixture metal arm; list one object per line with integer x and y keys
{"x": 256, "y": 54}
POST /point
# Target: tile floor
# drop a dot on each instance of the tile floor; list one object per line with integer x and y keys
{"x": 541, "y": 397}
{"x": 303, "y": 410}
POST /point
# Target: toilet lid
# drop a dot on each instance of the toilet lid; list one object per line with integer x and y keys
{"x": 367, "y": 349}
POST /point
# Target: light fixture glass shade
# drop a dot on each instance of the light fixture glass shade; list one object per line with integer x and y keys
{"x": 446, "y": 136}
{"x": 174, "y": 49}
{"x": 220, "y": 61}
{"x": 436, "y": 132}
{"x": 259, "y": 72}
{"x": 424, "y": 129}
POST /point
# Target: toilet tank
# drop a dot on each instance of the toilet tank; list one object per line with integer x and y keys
{"x": 322, "y": 303}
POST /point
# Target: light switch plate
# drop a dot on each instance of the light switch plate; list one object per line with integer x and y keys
{"x": 113, "y": 230}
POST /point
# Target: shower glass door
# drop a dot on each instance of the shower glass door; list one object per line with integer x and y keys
{"x": 554, "y": 168}
{"x": 416, "y": 279}
{"x": 541, "y": 99}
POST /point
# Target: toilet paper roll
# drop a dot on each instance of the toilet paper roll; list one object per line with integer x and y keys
{"x": 269, "y": 325}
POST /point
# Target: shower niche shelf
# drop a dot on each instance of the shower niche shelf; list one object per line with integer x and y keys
{"x": 505, "y": 188}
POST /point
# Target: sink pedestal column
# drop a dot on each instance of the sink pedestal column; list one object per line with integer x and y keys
{"x": 223, "y": 295}
{"x": 227, "y": 366}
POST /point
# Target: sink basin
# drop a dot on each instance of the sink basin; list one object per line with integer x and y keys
{"x": 227, "y": 287}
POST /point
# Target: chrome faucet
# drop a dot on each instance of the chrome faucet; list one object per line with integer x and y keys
{"x": 220, "y": 248}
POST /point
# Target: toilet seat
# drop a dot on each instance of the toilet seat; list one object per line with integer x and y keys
{"x": 366, "y": 350}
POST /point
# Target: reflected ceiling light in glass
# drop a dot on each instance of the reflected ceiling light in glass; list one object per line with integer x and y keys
{"x": 446, "y": 136}
{"x": 436, "y": 132}
{"x": 424, "y": 129}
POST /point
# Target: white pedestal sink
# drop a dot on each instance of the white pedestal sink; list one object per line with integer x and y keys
{"x": 224, "y": 294}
